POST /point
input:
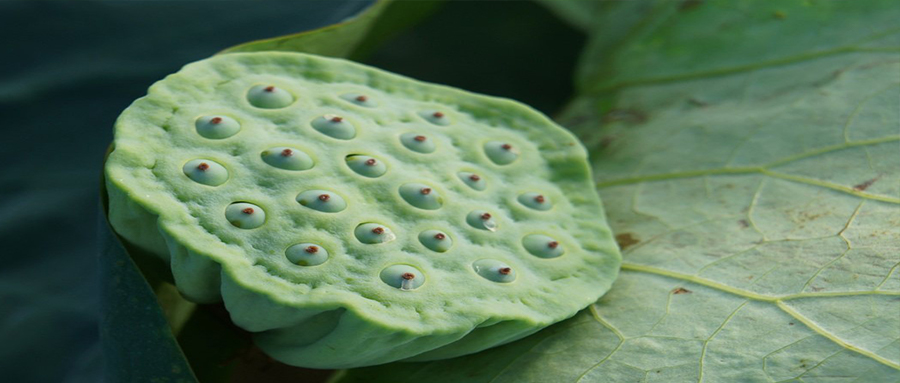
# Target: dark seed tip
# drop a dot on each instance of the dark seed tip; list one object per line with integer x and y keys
{"x": 270, "y": 88}
{"x": 426, "y": 191}
{"x": 337, "y": 119}
{"x": 419, "y": 138}
{"x": 216, "y": 120}
{"x": 539, "y": 199}
{"x": 486, "y": 216}
{"x": 440, "y": 236}
{"x": 504, "y": 270}
{"x": 408, "y": 276}
{"x": 361, "y": 98}
{"x": 378, "y": 230}
{"x": 552, "y": 244}
{"x": 203, "y": 166}
{"x": 370, "y": 162}
{"x": 438, "y": 115}
{"x": 248, "y": 210}
{"x": 474, "y": 177}
{"x": 312, "y": 249}
{"x": 287, "y": 153}
{"x": 506, "y": 146}
{"x": 324, "y": 197}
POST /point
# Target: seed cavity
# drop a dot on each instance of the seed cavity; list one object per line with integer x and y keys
{"x": 482, "y": 220}
{"x": 206, "y": 172}
{"x": 374, "y": 233}
{"x": 494, "y": 270}
{"x": 403, "y": 277}
{"x": 245, "y": 215}
{"x": 535, "y": 201}
{"x": 473, "y": 180}
{"x": 417, "y": 143}
{"x": 436, "y": 117}
{"x": 421, "y": 196}
{"x": 359, "y": 99}
{"x": 366, "y": 166}
{"x": 322, "y": 200}
{"x": 334, "y": 126}
{"x": 306, "y": 254}
{"x": 287, "y": 158}
{"x": 500, "y": 153}
{"x": 436, "y": 240}
{"x": 216, "y": 127}
{"x": 542, "y": 246}
{"x": 269, "y": 97}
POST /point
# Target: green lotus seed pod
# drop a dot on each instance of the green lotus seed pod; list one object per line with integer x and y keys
{"x": 245, "y": 241}
{"x": 501, "y": 153}
{"x": 481, "y": 219}
{"x": 421, "y": 196}
{"x": 436, "y": 240}
{"x": 403, "y": 277}
{"x": 417, "y": 142}
{"x": 542, "y": 246}
{"x": 494, "y": 270}
{"x": 473, "y": 180}
{"x": 372, "y": 233}
{"x": 322, "y": 200}
{"x": 306, "y": 254}
{"x": 334, "y": 126}
{"x": 535, "y": 201}
{"x": 436, "y": 117}
{"x": 217, "y": 127}
{"x": 359, "y": 99}
{"x": 269, "y": 97}
{"x": 207, "y": 172}
{"x": 287, "y": 158}
{"x": 366, "y": 166}
{"x": 245, "y": 215}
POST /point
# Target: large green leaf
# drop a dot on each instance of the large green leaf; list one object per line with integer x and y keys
{"x": 748, "y": 154}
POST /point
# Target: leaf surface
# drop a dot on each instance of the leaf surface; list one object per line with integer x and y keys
{"x": 748, "y": 154}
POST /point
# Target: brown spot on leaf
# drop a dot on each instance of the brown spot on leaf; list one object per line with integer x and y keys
{"x": 790, "y": 323}
{"x": 681, "y": 290}
{"x": 780, "y": 15}
{"x": 688, "y": 5}
{"x": 605, "y": 141}
{"x": 625, "y": 240}
{"x": 697, "y": 102}
{"x": 865, "y": 185}
{"x": 744, "y": 223}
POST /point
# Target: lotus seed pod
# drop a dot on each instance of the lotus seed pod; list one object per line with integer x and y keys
{"x": 217, "y": 127}
{"x": 287, "y": 158}
{"x": 269, "y": 97}
{"x": 306, "y": 254}
{"x": 374, "y": 233}
{"x": 322, "y": 200}
{"x": 436, "y": 240}
{"x": 245, "y": 215}
{"x": 334, "y": 126}
{"x": 494, "y": 270}
{"x": 482, "y": 219}
{"x": 501, "y": 153}
{"x": 542, "y": 246}
{"x": 366, "y": 166}
{"x": 403, "y": 277}
{"x": 473, "y": 180}
{"x": 207, "y": 172}
{"x": 333, "y": 261}
{"x": 359, "y": 99}
{"x": 417, "y": 142}
{"x": 535, "y": 201}
{"x": 421, "y": 196}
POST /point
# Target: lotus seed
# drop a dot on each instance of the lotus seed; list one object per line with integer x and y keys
{"x": 500, "y": 153}
{"x": 207, "y": 172}
{"x": 287, "y": 158}
{"x": 421, "y": 196}
{"x": 417, "y": 143}
{"x": 435, "y": 117}
{"x": 245, "y": 215}
{"x": 217, "y": 127}
{"x": 403, "y": 277}
{"x": 334, "y": 126}
{"x": 542, "y": 246}
{"x": 269, "y": 97}
{"x": 306, "y": 254}
{"x": 494, "y": 270}
{"x": 535, "y": 201}
{"x": 473, "y": 180}
{"x": 322, "y": 200}
{"x": 435, "y": 240}
{"x": 481, "y": 219}
{"x": 372, "y": 233}
{"x": 359, "y": 99}
{"x": 366, "y": 166}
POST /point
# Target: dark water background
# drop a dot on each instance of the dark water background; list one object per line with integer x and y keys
{"x": 67, "y": 69}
